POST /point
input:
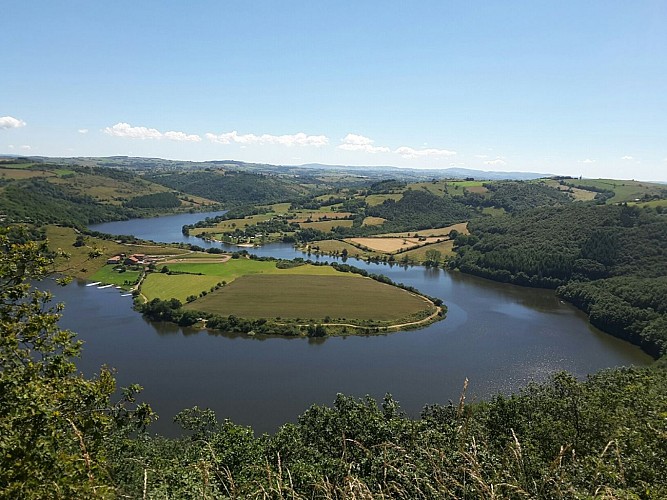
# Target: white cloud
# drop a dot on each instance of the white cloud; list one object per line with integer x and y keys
{"x": 498, "y": 162}
{"x": 122, "y": 129}
{"x": 83, "y": 130}
{"x": 25, "y": 147}
{"x": 354, "y": 142}
{"x": 407, "y": 152}
{"x": 587, "y": 161}
{"x": 11, "y": 122}
{"x": 481, "y": 157}
{"x": 181, "y": 136}
{"x": 11, "y": 146}
{"x": 126, "y": 130}
{"x": 299, "y": 139}
{"x": 626, "y": 157}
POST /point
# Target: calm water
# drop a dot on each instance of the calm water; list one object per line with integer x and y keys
{"x": 498, "y": 336}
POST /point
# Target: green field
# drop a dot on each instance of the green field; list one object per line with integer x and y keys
{"x": 339, "y": 298}
{"x": 108, "y": 275}
{"x": 378, "y": 199}
{"x": 327, "y": 225}
{"x": 626, "y": 190}
{"x": 180, "y": 286}
{"x": 446, "y": 249}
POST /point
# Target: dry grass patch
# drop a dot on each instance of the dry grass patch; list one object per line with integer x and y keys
{"x": 326, "y": 226}
{"x": 373, "y": 221}
{"x": 336, "y": 247}
{"x": 19, "y": 174}
{"x": 461, "y": 227}
{"x": 392, "y": 245}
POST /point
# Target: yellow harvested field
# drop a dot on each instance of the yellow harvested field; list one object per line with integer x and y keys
{"x": 462, "y": 227}
{"x": 373, "y": 221}
{"x": 392, "y": 245}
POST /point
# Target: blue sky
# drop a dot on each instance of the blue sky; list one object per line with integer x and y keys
{"x": 566, "y": 87}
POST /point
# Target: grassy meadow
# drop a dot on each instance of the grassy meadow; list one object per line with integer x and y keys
{"x": 336, "y": 298}
{"x": 180, "y": 286}
{"x": 108, "y": 275}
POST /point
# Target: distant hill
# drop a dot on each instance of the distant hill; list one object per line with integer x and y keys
{"x": 415, "y": 174}
{"x": 450, "y": 173}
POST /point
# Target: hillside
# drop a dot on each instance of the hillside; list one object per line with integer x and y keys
{"x": 45, "y": 193}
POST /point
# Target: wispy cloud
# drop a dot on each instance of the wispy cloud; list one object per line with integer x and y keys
{"x": 83, "y": 130}
{"x": 407, "y": 152}
{"x": 299, "y": 139}
{"x": 627, "y": 157}
{"x": 25, "y": 147}
{"x": 587, "y": 161}
{"x": 354, "y": 142}
{"x": 126, "y": 130}
{"x": 11, "y": 122}
{"x": 498, "y": 162}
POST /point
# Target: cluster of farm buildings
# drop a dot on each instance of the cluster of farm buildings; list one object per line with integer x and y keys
{"x": 131, "y": 260}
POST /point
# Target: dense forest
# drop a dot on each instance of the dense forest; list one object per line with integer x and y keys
{"x": 156, "y": 200}
{"x": 66, "y": 436}
{"x": 576, "y": 245}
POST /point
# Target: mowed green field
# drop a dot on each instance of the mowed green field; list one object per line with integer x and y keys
{"x": 342, "y": 297}
{"x": 180, "y": 286}
{"x": 177, "y": 286}
{"x": 625, "y": 190}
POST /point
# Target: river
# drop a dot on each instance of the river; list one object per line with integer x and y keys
{"x": 498, "y": 336}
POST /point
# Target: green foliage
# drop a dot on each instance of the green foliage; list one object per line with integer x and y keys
{"x": 418, "y": 210}
{"x": 519, "y": 196}
{"x": 155, "y": 200}
{"x": 54, "y": 423}
{"x": 561, "y": 439}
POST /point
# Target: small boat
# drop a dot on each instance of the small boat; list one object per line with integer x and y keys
{"x": 119, "y": 287}
{"x": 93, "y": 284}
{"x": 126, "y": 294}
{"x": 104, "y": 286}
